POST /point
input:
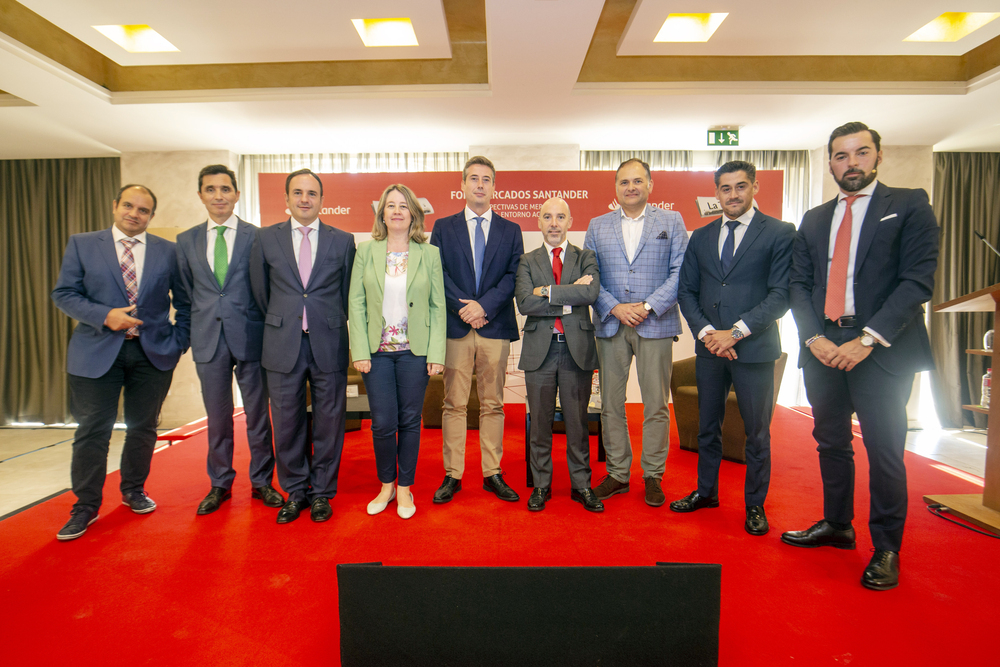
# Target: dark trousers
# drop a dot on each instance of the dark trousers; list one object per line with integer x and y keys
{"x": 754, "y": 384}
{"x": 94, "y": 404}
{"x": 396, "y": 386}
{"x": 216, "y": 378}
{"x": 879, "y": 399}
{"x": 301, "y": 476}
{"x": 559, "y": 371}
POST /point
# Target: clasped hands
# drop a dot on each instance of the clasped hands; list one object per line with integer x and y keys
{"x": 473, "y": 314}
{"x": 845, "y": 357}
{"x": 720, "y": 343}
{"x": 632, "y": 314}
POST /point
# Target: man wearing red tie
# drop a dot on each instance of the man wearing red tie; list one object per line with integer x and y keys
{"x": 863, "y": 266}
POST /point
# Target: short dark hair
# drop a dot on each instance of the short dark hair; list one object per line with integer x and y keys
{"x": 300, "y": 172}
{"x": 853, "y": 128}
{"x": 649, "y": 174}
{"x": 214, "y": 169}
{"x": 118, "y": 197}
{"x": 733, "y": 166}
{"x": 478, "y": 159}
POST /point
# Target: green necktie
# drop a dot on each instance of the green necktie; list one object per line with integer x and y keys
{"x": 221, "y": 255}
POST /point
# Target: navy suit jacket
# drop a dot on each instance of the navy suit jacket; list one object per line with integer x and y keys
{"x": 231, "y": 307}
{"x": 893, "y": 275}
{"x": 90, "y": 284}
{"x": 280, "y": 294}
{"x": 755, "y": 289}
{"x": 504, "y": 248}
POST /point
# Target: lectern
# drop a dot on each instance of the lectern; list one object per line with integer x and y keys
{"x": 981, "y": 510}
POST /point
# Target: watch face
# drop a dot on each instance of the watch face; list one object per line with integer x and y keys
{"x": 868, "y": 340}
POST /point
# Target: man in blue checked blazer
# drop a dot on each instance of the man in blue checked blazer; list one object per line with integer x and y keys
{"x": 639, "y": 249}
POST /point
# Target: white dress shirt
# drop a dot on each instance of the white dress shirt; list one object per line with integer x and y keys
{"x": 138, "y": 252}
{"x": 229, "y": 233}
{"x": 632, "y": 232}
{"x": 562, "y": 255}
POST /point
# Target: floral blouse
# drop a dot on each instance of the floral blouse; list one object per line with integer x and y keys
{"x": 394, "y": 307}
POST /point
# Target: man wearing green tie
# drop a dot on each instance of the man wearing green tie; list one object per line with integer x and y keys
{"x": 226, "y": 337}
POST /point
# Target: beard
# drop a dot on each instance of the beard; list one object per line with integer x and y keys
{"x": 853, "y": 185}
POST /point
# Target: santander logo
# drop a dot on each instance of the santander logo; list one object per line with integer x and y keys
{"x": 614, "y": 205}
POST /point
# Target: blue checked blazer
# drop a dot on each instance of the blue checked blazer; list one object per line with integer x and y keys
{"x": 653, "y": 275}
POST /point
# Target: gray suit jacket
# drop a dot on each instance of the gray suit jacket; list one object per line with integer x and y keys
{"x": 535, "y": 270}
{"x": 213, "y": 309}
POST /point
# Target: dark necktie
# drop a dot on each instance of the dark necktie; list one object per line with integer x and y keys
{"x": 557, "y": 275}
{"x": 131, "y": 282}
{"x": 480, "y": 251}
{"x": 221, "y": 254}
{"x": 729, "y": 245}
{"x": 836, "y": 282}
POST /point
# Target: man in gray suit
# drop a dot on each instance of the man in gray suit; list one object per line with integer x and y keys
{"x": 227, "y": 329}
{"x": 555, "y": 286}
{"x": 300, "y": 270}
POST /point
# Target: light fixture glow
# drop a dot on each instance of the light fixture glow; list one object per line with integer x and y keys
{"x": 689, "y": 27}
{"x": 386, "y": 32}
{"x": 136, "y": 38}
{"x": 951, "y": 26}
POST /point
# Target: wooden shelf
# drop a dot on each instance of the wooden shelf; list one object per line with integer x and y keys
{"x": 981, "y": 353}
{"x": 976, "y": 408}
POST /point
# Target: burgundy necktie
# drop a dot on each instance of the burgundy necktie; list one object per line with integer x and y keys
{"x": 836, "y": 281}
{"x": 556, "y": 275}
{"x": 131, "y": 284}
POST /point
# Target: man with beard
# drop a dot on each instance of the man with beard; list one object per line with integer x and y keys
{"x": 862, "y": 268}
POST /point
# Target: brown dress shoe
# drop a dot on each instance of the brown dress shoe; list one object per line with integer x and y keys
{"x": 609, "y": 486}
{"x": 654, "y": 494}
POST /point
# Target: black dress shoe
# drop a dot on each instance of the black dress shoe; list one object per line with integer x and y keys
{"x": 756, "y": 521}
{"x": 290, "y": 512}
{"x": 320, "y": 510}
{"x": 588, "y": 499}
{"x": 214, "y": 500}
{"x": 495, "y": 484}
{"x": 820, "y": 534}
{"x": 692, "y": 502}
{"x": 536, "y": 501}
{"x": 270, "y": 497}
{"x": 449, "y": 487}
{"x": 882, "y": 572}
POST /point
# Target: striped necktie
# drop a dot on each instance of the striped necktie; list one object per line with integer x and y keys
{"x": 131, "y": 281}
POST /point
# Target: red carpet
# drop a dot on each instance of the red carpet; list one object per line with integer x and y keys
{"x": 234, "y": 588}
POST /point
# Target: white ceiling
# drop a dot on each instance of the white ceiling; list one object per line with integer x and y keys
{"x": 536, "y": 49}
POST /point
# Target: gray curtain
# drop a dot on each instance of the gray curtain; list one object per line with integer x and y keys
{"x": 43, "y": 203}
{"x": 966, "y": 200}
{"x": 657, "y": 160}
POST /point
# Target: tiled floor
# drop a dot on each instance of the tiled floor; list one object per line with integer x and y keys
{"x": 34, "y": 462}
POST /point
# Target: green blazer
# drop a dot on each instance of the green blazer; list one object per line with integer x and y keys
{"x": 427, "y": 319}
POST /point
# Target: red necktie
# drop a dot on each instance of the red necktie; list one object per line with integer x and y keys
{"x": 131, "y": 284}
{"x": 836, "y": 281}
{"x": 557, "y": 274}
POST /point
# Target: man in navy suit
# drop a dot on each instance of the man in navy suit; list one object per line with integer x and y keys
{"x": 118, "y": 284}
{"x": 480, "y": 252}
{"x": 734, "y": 287}
{"x": 300, "y": 271}
{"x": 227, "y": 330}
{"x": 862, "y": 267}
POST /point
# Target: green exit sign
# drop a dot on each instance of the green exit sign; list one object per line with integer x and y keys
{"x": 723, "y": 137}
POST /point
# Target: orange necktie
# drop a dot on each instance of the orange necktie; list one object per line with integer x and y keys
{"x": 836, "y": 282}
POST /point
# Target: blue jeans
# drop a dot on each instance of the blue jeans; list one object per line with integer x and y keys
{"x": 396, "y": 386}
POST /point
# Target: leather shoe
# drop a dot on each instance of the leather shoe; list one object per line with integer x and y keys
{"x": 693, "y": 502}
{"x": 654, "y": 494}
{"x": 820, "y": 534}
{"x": 588, "y": 499}
{"x": 610, "y": 486}
{"x": 290, "y": 511}
{"x": 756, "y": 521}
{"x": 495, "y": 484}
{"x": 320, "y": 510}
{"x": 882, "y": 572}
{"x": 270, "y": 497}
{"x": 214, "y": 500}
{"x": 449, "y": 487}
{"x": 536, "y": 501}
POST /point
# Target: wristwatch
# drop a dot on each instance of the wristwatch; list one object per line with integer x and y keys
{"x": 545, "y": 290}
{"x": 737, "y": 333}
{"x": 867, "y": 340}
{"x": 647, "y": 306}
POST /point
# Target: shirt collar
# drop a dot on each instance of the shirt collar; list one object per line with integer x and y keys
{"x": 230, "y": 223}
{"x": 743, "y": 219}
{"x": 312, "y": 225}
{"x": 118, "y": 235}
{"x": 867, "y": 190}
{"x": 470, "y": 215}
{"x": 563, "y": 245}
{"x": 641, "y": 218}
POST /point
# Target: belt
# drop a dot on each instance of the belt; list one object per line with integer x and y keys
{"x": 846, "y": 322}
{"x": 559, "y": 338}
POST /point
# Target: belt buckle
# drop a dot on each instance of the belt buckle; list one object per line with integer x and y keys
{"x": 560, "y": 337}
{"x": 847, "y": 321}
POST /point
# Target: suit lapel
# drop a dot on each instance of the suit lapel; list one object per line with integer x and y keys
{"x": 378, "y": 259}
{"x": 201, "y": 250}
{"x": 647, "y": 230}
{"x": 543, "y": 269}
{"x": 111, "y": 258}
{"x": 823, "y": 233}
{"x": 323, "y": 244}
{"x": 492, "y": 242}
{"x": 244, "y": 236}
{"x": 617, "y": 225}
{"x": 412, "y": 263}
{"x": 571, "y": 265}
{"x": 285, "y": 243}
{"x": 462, "y": 230}
{"x": 873, "y": 217}
{"x": 749, "y": 236}
{"x": 713, "y": 236}
{"x": 150, "y": 265}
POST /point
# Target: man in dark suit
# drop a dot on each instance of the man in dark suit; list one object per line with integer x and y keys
{"x": 733, "y": 289}
{"x": 862, "y": 267}
{"x": 227, "y": 329}
{"x": 480, "y": 252}
{"x": 118, "y": 283}
{"x": 556, "y": 284}
{"x": 300, "y": 270}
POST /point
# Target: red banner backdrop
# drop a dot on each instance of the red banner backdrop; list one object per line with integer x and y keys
{"x": 347, "y": 201}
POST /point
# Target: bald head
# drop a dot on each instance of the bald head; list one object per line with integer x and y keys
{"x": 554, "y": 220}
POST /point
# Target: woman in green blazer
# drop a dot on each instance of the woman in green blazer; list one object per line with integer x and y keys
{"x": 398, "y": 325}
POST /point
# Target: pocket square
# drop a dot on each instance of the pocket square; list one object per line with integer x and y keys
{"x": 891, "y": 215}
{"x": 662, "y": 235}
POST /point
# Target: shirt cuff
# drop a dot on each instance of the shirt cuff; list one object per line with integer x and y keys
{"x": 878, "y": 336}
{"x": 703, "y": 332}
{"x": 742, "y": 326}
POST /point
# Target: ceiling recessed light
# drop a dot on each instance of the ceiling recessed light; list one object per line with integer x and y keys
{"x": 136, "y": 38}
{"x": 951, "y": 26}
{"x": 689, "y": 27}
{"x": 386, "y": 32}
